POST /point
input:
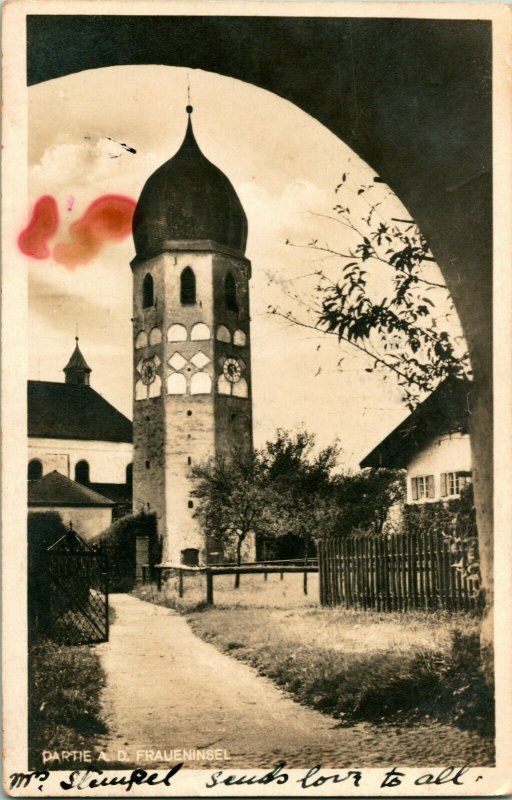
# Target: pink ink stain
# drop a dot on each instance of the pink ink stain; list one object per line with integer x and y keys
{"x": 33, "y": 240}
{"x": 106, "y": 219}
{"x": 70, "y": 203}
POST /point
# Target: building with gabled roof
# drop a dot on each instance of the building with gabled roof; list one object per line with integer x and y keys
{"x": 432, "y": 444}
{"x": 76, "y": 432}
{"x": 87, "y": 511}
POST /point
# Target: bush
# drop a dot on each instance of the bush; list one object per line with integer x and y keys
{"x": 455, "y": 521}
{"x": 120, "y": 542}
{"x": 453, "y": 518}
{"x": 44, "y": 528}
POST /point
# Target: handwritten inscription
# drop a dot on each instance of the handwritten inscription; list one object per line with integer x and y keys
{"x": 91, "y": 778}
{"x": 78, "y": 780}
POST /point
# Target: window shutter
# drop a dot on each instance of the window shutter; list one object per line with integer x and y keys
{"x": 444, "y": 490}
{"x": 431, "y": 492}
{"x": 414, "y": 487}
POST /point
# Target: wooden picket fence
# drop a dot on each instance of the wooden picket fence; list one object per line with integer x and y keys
{"x": 399, "y": 573}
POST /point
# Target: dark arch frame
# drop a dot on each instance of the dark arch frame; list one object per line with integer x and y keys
{"x": 416, "y": 95}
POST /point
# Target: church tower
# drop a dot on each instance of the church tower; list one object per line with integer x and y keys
{"x": 191, "y": 340}
{"x": 77, "y": 371}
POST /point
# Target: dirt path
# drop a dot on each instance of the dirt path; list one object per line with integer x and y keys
{"x": 168, "y": 690}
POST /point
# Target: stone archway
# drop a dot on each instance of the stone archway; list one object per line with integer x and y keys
{"x": 411, "y": 97}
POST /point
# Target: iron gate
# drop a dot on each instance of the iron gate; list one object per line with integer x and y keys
{"x": 77, "y": 591}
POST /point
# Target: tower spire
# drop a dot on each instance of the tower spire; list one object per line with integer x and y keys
{"x": 77, "y": 371}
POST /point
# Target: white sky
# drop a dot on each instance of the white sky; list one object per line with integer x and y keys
{"x": 284, "y": 165}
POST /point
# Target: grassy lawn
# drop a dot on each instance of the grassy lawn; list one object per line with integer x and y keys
{"x": 64, "y": 699}
{"x": 359, "y": 665}
{"x": 254, "y": 592}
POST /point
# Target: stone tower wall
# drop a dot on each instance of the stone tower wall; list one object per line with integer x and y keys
{"x": 172, "y": 432}
{"x": 148, "y": 415}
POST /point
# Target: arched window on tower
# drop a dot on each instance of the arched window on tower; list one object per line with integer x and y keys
{"x": 188, "y": 287}
{"x": 82, "y": 472}
{"x": 230, "y": 292}
{"x": 129, "y": 474}
{"x": 35, "y": 470}
{"x": 148, "y": 299}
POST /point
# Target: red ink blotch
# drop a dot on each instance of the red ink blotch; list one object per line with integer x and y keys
{"x": 33, "y": 241}
{"x": 107, "y": 218}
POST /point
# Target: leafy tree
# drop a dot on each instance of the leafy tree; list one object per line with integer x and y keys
{"x": 378, "y": 294}
{"x": 235, "y": 499}
{"x": 301, "y": 483}
{"x": 365, "y": 498}
{"x": 280, "y": 491}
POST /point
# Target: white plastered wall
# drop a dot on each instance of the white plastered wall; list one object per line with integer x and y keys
{"x": 86, "y": 521}
{"x": 107, "y": 460}
{"x": 449, "y": 453}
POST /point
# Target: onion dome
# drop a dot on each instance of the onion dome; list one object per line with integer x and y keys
{"x": 188, "y": 199}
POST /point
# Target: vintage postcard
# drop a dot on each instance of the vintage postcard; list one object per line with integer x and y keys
{"x": 256, "y": 399}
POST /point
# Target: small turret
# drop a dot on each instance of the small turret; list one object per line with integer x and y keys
{"x": 77, "y": 371}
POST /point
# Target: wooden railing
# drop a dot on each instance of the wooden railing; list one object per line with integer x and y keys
{"x": 264, "y": 568}
{"x": 398, "y": 573}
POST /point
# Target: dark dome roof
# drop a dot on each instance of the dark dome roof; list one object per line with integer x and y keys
{"x": 188, "y": 199}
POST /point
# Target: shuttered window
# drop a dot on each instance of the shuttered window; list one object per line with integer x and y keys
{"x": 423, "y": 487}
{"x": 452, "y": 483}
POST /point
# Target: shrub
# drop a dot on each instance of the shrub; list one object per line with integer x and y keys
{"x": 455, "y": 520}
{"x": 44, "y": 528}
{"x": 120, "y": 542}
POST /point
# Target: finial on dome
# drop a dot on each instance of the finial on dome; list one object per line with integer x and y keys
{"x": 189, "y": 109}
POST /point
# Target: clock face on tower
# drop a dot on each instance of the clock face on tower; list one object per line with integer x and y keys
{"x": 148, "y": 371}
{"x": 232, "y": 370}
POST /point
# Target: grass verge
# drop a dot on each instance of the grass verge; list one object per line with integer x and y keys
{"x": 362, "y": 666}
{"x": 65, "y": 683}
{"x": 193, "y": 600}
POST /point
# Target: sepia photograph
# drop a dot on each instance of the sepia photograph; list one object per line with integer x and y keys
{"x": 255, "y": 326}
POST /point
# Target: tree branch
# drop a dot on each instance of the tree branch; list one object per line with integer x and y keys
{"x": 353, "y": 343}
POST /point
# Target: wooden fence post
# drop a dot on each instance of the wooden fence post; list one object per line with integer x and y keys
{"x": 180, "y": 583}
{"x": 209, "y": 587}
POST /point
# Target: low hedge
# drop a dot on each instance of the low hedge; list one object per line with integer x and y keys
{"x": 119, "y": 539}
